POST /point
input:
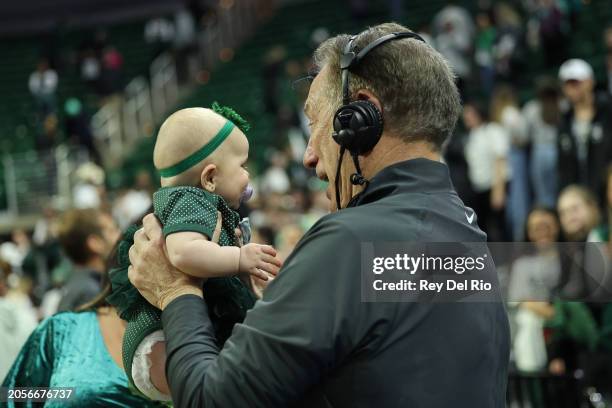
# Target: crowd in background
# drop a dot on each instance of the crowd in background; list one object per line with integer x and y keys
{"x": 539, "y": 170}
{"x": 98, "y": 65}
{"x": 534, "y": 170}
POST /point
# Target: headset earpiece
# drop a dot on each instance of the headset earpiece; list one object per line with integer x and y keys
{"x": 358, "y": 126}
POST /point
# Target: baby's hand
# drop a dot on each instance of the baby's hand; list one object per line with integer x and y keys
{"x": 257, "y": 259}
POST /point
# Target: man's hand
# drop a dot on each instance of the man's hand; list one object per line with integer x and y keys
{"x": 259, "y": 260}
{"x": 151, "y": 272}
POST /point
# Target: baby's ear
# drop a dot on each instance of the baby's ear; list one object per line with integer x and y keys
{"x": 207, "y": 177}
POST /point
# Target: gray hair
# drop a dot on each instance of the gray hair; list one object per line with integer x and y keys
{"x": 413, "y": 82}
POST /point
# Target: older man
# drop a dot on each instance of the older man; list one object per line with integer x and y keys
{"x": 311, "y": 341}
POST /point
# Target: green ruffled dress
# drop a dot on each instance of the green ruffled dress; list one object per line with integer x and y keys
{"x": 228, "y": 299}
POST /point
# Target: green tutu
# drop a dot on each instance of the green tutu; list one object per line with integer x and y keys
{"x": 228, "y": 300}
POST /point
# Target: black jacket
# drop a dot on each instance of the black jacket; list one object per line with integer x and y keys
{"x": 599, "y": 150}
{"x": 311, "y": 341}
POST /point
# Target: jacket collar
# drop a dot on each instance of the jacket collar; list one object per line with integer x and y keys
{"x": 410, "y": 176}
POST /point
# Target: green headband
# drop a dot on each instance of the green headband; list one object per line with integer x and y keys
{"x": 200, "y": 154}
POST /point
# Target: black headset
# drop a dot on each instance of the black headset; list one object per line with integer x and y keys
{"x": 358, "y": 125}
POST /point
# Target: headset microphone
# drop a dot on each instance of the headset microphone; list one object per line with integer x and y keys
{"x": 359, "y": 180}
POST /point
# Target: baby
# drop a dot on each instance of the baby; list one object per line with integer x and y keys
{"x": 200, "y": 154}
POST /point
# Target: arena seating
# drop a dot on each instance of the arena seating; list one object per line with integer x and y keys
{"x": 238, "y": 82}
{"x": 19, "y": 126}
{"x": 20, "y": 56}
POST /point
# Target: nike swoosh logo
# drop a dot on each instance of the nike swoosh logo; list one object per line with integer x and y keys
{"x": 470, "y": 218}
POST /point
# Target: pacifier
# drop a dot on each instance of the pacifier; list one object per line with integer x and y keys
{"x": 246, "y": 194}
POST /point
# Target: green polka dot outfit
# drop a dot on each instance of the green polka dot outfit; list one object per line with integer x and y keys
{"x": 182, "y": 209}
{"x": 228, "y": 299}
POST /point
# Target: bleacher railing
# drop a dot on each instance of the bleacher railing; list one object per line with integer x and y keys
{"x": 107, "y": 127}
{"x": 164, "y": 85}
{"x": 35, "y": 179}
{"x": 232, "y": 26}
{"x": 137, "y": 108}
{"x": 119, "y": 124}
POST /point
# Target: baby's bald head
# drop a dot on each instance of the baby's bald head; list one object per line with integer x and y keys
{"x": 183, "y": 133}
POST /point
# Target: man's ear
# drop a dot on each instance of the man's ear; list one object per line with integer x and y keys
{"x": 207, "y": 177}
{"x": 366, "y": 95}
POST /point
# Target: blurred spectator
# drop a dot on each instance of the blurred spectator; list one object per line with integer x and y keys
{"x": 15, "y": 250}
{"x": 553, "y": 31}
{"x": 508, "y": 46}
{"x": 275, "y": 178}
{"x": 533, "y": 281}
{"x": 48, "y": 138}
{"x": 319, "y": 207}
{"x": 542, "y": 282}
{"x": 542, "y": 118}
{"x": 454, "y": 156}
{"x": 78, "y": 128}
{"x": 608, "y": 38}
{"x": 51, "y": 300}
{"x": 602, "y": 232}
{"x": 90, "y": 69}
{"x": 17, "y": 320}
{"x": 112, "y": 65}
{"x": 44, "y": 227}
{"x": 87, "y": 237}
{"x": 159, "y": 32}
{"x": 577, "y": 346}
{"x": 45, "y": 258}
{"x": 505, "y": 111}
{"x": 578, "y": 212}
{"x": 485, "y": 41}
{"x": 453, "y": 31}
{"x": 585, "y": 141}
{"x": 486, "y": 153}
{"x": 273, "y": 66}
{"x": 43, "y": 86}
{"x": 135, "y": 201}
{"x": 89, "y": 191}
{"x": 286, "y": 240}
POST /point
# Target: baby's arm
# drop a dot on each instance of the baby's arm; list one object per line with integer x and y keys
{"x": 195, "y": 255}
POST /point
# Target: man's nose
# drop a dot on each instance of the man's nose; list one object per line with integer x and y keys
{"x": 310, "y": 159}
